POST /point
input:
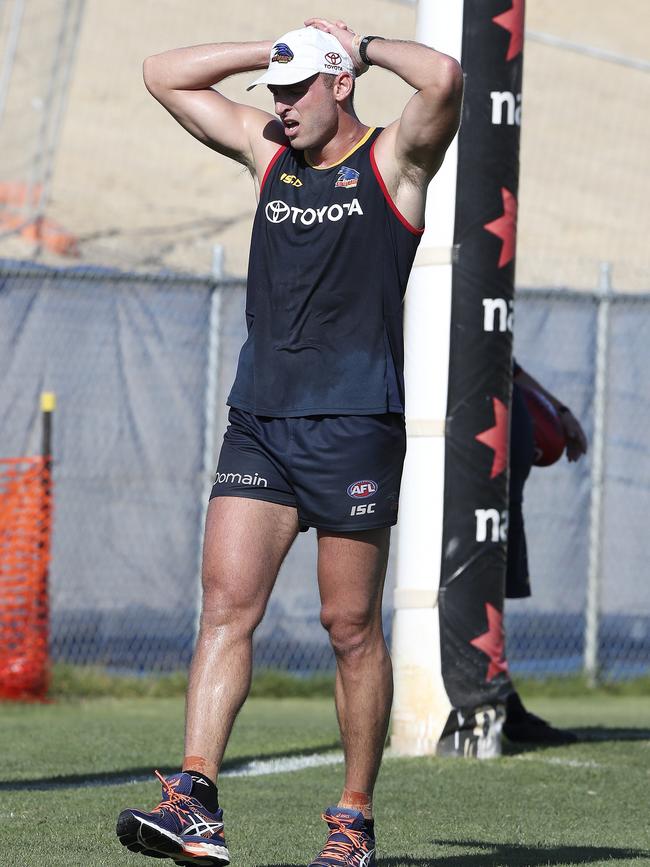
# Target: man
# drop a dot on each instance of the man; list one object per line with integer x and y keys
{"x": 316, "y": 435}
{"x": 522, "y": 726}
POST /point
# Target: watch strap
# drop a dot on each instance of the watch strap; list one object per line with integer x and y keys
{"x": 363, "y": 48}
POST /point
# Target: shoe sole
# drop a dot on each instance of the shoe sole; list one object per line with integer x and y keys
{"x": 148, "y": 839}
{"x": 368, "y": 860}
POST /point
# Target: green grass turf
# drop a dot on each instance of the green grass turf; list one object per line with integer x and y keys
{"x": 583, "y": 804}
{"x": 85, "y": 681}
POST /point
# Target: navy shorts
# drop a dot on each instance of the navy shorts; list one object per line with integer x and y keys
{"x": 341, "y": 473}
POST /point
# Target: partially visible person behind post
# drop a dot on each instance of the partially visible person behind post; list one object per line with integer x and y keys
{"x": 521, "y": 725}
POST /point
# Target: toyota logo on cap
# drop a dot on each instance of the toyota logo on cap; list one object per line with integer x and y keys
{"x": 333, "y": 58}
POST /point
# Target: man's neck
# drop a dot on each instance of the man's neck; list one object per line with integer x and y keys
{"x": 350, "y": 131}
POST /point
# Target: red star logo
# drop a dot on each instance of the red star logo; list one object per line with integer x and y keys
{"x": 513, "y": 21}
{"x": 496, "y": 438}
{"x": 505, "y": 227}
{"x": 491, "y": 643}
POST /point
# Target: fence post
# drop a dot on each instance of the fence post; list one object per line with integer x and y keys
{"x": 52, "y": 112}
{"x": 10, "y": 52}
{"x": 594, "y": 579}
{"x": 210, "y": 411}
{"x": 56, "y": 100}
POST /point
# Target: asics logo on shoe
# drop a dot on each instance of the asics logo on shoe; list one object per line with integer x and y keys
{"x": 365, "y": 861}
{"x": 197, "y": 825}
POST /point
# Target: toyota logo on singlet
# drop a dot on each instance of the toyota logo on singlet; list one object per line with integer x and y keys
{"x": 277, "y": 211}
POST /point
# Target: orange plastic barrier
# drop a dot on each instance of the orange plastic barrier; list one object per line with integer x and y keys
{"x": 41, "y": 230}
{"x": 15, "y": 195}
{"x": 25, "y": 525}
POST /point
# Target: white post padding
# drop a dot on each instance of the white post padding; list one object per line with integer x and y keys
{"x": 421, "y": 705}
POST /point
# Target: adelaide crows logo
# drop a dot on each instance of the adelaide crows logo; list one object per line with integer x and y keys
{"x": 347, "y": 177}
{"x": 282, "y": 53}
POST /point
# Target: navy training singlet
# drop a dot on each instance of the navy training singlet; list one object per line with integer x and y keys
{"x": 329, "y": 263}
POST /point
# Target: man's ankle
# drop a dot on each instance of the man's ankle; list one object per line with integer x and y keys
{"x": 362, "y": 801}
{"x": 204, "y": 790}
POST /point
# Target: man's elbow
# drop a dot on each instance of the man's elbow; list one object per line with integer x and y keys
{"x": 151, "y": 73}
{"x": 448, "y": 81}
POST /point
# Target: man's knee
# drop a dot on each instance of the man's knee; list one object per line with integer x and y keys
{"x": 351, "y": 632}
{"x": 226, "y": 605}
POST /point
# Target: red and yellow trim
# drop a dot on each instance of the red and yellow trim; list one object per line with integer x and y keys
{"x": 414, "y": 229}
{"x": 354, "y": 148}
{"x": 276, "y": 156}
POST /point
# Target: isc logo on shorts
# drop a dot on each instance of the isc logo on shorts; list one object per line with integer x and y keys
{"x": 362, "y": 489}
{"x": 363, "y": 509}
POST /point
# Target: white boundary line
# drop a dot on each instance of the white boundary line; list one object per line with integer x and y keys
{"x": 255, "y": 768}
{"x": 556, "y": 760}
{"x": 261, "y": 768}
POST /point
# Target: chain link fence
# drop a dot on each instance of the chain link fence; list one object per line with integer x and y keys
{"x": 584, "y": 190}
{"x": 584, "y": 193}
{"x": 38, "y": 40}
{"x": 142, "y": 366}
{"x": 586, "y": 522}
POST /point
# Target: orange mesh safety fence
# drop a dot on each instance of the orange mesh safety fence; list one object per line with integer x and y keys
{"x": 25, "y": 524}
{"x": 15, "y": 196}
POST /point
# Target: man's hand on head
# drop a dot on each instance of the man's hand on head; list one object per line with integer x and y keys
{"x": 346, "y": 36}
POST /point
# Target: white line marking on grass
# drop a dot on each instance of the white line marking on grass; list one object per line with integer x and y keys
{"x": 261, "y": 767}
{"x": 555, "y": 760}
{"x": 255, "y": 768}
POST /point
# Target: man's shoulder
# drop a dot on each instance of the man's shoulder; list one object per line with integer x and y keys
{"x": 266, "y": 146}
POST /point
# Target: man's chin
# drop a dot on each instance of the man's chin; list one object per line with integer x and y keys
{"x": 300, "y": 141}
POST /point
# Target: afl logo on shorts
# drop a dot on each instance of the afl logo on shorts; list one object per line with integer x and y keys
{"x": 362, "y": 489}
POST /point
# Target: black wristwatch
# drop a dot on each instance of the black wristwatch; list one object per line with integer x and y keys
{"x": 363, "y": 47}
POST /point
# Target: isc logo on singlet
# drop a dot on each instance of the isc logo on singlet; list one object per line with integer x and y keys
{"x": 278, "y": 211}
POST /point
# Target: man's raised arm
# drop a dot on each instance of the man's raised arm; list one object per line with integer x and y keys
{"x": 432, "y": 115}
{"x": 410, "y": 151}
{"x": 182, "y": 80}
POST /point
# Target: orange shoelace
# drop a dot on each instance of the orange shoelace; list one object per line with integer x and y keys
{"x": 175, "y": 802}
{"x": 342, "y": 848}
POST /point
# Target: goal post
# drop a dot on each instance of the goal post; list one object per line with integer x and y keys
{"x": 451, "y": 677}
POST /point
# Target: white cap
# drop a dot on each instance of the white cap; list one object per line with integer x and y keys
{"x": 300, "y": 54}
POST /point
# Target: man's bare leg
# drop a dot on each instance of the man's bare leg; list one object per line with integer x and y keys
{"x": 351, "y": 573}
{"x": 245, "y": 543}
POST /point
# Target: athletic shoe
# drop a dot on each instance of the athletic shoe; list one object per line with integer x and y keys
{"x": 180, "y": 827}
{"x": 351, "y": 841}
{"x": 523, "y": 727}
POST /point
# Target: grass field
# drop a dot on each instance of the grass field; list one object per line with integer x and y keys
{"x": 65, "y": 767}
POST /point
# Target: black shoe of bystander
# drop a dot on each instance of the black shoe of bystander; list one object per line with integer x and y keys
{"x": 522, "y": 726}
